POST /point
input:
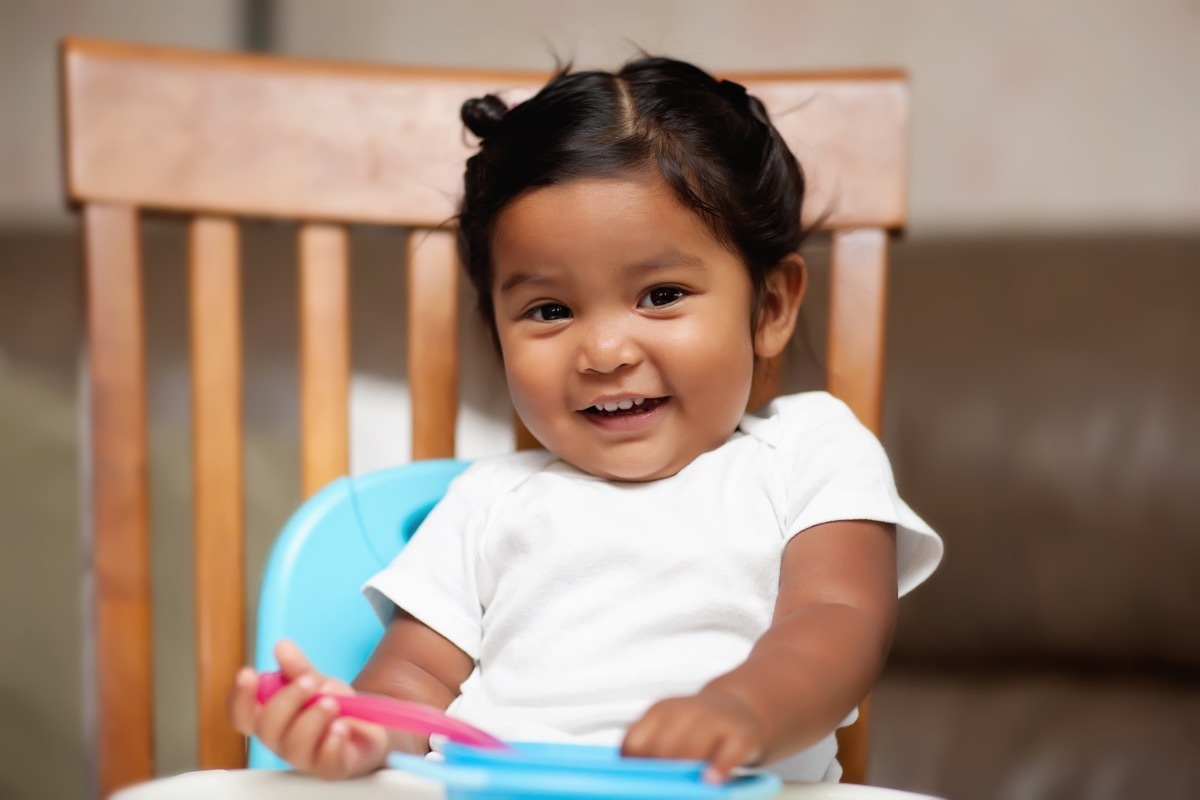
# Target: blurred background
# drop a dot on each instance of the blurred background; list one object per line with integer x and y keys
{"x": 1043, "y": 390}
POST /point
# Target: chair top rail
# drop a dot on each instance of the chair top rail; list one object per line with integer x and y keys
{"x": 150, "y": 127}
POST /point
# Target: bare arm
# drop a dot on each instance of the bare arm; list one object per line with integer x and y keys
{"x": 416, "y": 663}
{"x": 829, "y": 638}
{"x": 826, "y": 645}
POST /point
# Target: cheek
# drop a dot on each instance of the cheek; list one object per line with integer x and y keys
{"x": 529, "y": 373}
{"x": 715, "y": 346}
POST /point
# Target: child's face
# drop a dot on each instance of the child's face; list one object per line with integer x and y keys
{"x": 609, "y": 291}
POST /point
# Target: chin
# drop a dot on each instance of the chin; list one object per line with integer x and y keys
{"x": 637, "y": 473}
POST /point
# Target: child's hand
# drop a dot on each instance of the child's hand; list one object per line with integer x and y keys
{"x": 712, "y": 725}
{"x": 312, "y": 739}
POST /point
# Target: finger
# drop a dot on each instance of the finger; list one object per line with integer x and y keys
{"x": 328, "y": 685}
{"x": 639, "y": 738}
{"x": 292, "y": 662}
{"x": 668, "y": 730}
{"x": 242, "y": 703}
{"x": 686, "y": 741}
{"x": 303, "y": 737}
{"x": 733, "y": 750}
{"x": 634, "y": 740}
{"x": 351, "y": 748}
{"x": 334, "y": 758}
{"x": 278, "y": 713}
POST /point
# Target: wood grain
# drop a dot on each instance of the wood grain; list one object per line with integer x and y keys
{"x": 854, "y": 745}
{"x": 324, "y": 355}
{"x": 120, "y": 527}
{"x": 216, "y": 342}
{"x": 433, "y": 342}
{"x": 364, "y": 143}
{"x": 523, "y": 439}
{"x": 857, "y": 316}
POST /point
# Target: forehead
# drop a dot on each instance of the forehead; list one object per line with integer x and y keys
{"x": 597, "y": 219}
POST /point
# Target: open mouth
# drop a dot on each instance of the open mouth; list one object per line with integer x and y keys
{"x": 625, "y": 408}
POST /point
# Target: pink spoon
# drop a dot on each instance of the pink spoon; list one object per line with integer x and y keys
{"x": 396, "y": 714}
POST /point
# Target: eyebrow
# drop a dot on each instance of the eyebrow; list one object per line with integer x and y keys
{"x": 670, "y": 258}
{"x": 522, "y": 279}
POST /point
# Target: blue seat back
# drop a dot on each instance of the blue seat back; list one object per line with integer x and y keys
{"x": 331, "y": 545}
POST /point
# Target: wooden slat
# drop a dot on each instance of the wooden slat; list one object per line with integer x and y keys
{"x": 217, "y": 453}
{"x": 854, "y": 745}
{"x": 857, "y": 314}
{"x": 766, "y": 384}
{"x": 324, "y": 355}
{"x": 433, "y": 342}
{"x": 385, "y": 144}
{"x": 523, "y": 439}
{"x": 120, "y": 531}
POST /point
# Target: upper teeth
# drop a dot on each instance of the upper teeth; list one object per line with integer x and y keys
{"x": 619, "y": 405}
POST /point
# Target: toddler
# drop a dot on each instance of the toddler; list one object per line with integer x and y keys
{"x": 672, "y": 573}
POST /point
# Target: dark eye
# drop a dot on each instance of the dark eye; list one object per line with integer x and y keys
{"x": 661, "y": 296}
{"x": 549, "y": 312}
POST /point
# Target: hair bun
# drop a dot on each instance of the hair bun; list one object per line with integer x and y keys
{"x": 482, "y": 115}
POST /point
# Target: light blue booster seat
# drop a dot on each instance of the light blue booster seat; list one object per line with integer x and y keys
{"x": 331, "y": 545}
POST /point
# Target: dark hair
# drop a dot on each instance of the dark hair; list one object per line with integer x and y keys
{"x": 712, "y": 143}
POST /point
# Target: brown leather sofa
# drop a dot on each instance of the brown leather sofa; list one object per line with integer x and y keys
{"x": 1043, "y": 413}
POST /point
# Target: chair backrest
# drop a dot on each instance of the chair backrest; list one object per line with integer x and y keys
{"x": 219, "y": 138}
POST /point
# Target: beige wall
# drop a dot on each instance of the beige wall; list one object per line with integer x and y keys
{"x": 1034, "y": 115}
{"x": 1026, "y": 114}
{"x": 30, "y": 187}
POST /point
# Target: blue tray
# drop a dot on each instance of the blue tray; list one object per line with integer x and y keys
{"x": 574, "y": 772}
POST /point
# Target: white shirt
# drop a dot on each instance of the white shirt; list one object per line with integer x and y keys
{"x": 583, "y": 601}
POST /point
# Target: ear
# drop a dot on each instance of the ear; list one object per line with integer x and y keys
{"x": 779, "y": 306}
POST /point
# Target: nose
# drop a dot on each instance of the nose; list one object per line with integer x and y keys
{"x": 607, "y": 345}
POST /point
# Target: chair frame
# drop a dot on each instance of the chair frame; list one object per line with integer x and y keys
{"x": 220, "y": 137}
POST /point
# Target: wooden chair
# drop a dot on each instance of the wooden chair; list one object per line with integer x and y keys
{"x": 219, "y": 138}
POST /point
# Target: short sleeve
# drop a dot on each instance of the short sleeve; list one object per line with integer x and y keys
{"x": 433, "y": 576}
{"x": 833, "y": 468}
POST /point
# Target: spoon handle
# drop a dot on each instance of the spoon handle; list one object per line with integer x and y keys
{"x": 397, "y": 714}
